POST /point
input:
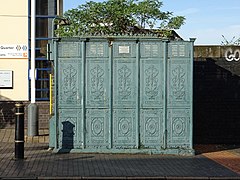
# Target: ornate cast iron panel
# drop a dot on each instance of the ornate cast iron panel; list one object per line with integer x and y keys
{"x": 123, "y": 95}
{"x": 178, "y": 128}
{"x": 69, "y": 83}
{"x": 151, "y": 128}
{"x": 179, "y": 82}
{"x": 69, "y": 129}
{"x": 151, "y": 75}
{"x": 179, "y": 96}
{"x": 97, "y": 128}
{"x": 124, "y": 86}
{"x": 124, "y": 75}
{"x": 97, "y": 75}
{"x": 69, "y": 50}
{"x": 124, "y": 128}
{"x": 151, "y": 94}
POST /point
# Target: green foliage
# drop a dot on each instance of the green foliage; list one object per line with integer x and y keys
{"x": 118, "y": 16}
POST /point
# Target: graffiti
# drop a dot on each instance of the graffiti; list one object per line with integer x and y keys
{"x": 231, "y": 55}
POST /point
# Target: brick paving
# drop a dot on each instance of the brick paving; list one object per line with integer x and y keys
{"x": 226, "y": 155}
{"x": 39, "y": 163}
{"x": 212, "y": 161}
{"x": 8, "y": 135}
{"x": 226, "y": 159}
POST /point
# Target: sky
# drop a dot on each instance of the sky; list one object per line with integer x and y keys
{"x": 206, "y": 20}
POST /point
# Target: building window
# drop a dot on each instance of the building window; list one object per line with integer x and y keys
{"x": 46, "y": 10}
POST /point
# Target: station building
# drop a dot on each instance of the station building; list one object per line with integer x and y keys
{"x": 15, "y": 50}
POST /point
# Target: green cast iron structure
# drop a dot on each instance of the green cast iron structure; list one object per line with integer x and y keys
{"x": 122, "y": 94}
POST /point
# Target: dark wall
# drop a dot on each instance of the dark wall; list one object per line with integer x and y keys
{"x": 7, "y": 114}
{"x": 216, "y": 95}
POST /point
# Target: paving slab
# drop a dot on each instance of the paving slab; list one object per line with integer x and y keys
{"x": 226, "y": 155}
{"x": 8, "y": 135}
{"x": 40, "y": 163}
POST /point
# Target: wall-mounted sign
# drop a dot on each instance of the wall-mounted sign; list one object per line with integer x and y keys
{"x": 6, "y": 79}
{"x": 123, "y": 49}
{"x": 232, "y": 55}
{"x": 13, "y": 51}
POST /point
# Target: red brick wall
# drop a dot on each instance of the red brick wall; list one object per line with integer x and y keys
{"x": 7, "y": 116}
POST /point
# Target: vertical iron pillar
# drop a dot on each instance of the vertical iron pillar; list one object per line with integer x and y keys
{"x": 19, "y": 131}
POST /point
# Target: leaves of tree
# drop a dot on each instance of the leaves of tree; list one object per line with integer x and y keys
{"x": 118, "y": 16}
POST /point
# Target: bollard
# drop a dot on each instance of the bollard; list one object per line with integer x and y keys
{"x": 19, "y": 131}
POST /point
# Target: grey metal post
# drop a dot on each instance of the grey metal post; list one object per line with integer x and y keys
{"x": 32, "y": 119}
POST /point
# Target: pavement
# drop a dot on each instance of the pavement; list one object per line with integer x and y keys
{"x": 8, "y": 135}
{"x": 210, "y": 162}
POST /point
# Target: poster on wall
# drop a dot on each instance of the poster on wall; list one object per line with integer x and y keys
{"x": 6, "y": 79}
{"x": 13, "y": 51}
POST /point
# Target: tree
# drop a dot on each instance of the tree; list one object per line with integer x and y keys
{"x": 118, "y": 16}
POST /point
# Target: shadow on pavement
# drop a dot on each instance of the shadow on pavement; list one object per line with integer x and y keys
{"x": 208, "y": 148}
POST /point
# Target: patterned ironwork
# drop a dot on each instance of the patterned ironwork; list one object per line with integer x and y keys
{"x": 124, "y": 80}
{"x": 178, "y": 83}
{"x": 124, "y": 126}
{"x": 179, "y": 126}
{"x": 152, "y": 126}
{"x": 97, "y": 125}
{"x": 126, "y": 97}
{"x": 97, "y": 80}
{"x": 69, "y": 83}
{"x": 97, "y": 134}
{"x": 152, "y": 82}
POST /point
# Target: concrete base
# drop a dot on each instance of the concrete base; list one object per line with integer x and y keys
{"x": 32, "y": 120}
{"x": 52, "y": 132}
{"x": 180, "y": 152}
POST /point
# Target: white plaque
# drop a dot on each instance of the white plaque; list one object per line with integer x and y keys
{"x": 6, "y": 79}
{"x": 123, "y": 49}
